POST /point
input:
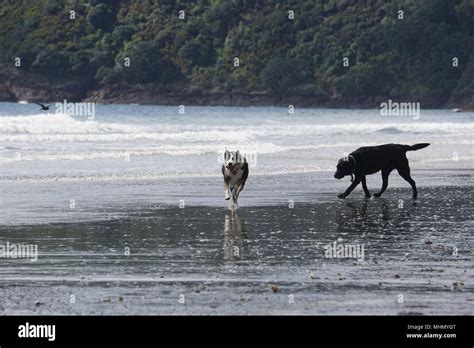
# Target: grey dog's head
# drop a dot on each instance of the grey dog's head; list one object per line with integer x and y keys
{"x": 344, "y": 167}
{"x": 231, "y": 158}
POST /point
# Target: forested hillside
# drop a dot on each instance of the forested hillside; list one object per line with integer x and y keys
{"x": 419, "y": 50}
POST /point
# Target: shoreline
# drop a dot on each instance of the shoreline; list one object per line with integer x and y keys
{"x": 178, "y": 102}
{"x": 18, "y": 85}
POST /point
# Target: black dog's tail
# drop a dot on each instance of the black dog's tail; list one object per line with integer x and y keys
{"x": 416, "y": 146}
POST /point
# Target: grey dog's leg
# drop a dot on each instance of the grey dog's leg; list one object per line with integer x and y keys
{"x": 226, "y": 188}
{"x": 235, "y": 194}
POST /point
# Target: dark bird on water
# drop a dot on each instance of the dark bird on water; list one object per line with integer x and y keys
{"x": 43, "y": 107}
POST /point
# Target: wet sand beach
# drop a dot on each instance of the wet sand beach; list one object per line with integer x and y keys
{"x": 263, "y": 259}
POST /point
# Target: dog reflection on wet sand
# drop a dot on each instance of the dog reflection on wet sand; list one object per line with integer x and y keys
{"x": 235, "y": 237}
{"x": 356, "y": 216}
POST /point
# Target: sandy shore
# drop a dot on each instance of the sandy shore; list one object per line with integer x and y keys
{"x": 265, "y": 259}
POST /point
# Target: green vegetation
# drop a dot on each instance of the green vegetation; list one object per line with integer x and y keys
{"x": 389, "y": 57}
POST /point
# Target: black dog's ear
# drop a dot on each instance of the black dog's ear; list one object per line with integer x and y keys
{"x": 352, "y": 178}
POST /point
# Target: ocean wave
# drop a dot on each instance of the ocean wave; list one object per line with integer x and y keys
{"x": 210, "y": 135}
{"x": 62, "y": 127}
{"x": 130, "y": 153}
{"x": 390, "y": 130}
{"x": 125, "y": 152}
{"x": 366, "y": 128}
{"x": 65, "y": 128}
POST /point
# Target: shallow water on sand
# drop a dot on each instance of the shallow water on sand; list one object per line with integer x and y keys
{"x": 254, "y": 260}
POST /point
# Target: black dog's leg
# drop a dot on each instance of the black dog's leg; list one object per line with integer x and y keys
{"x": 364, "y": 186}
{"x": 385, "y": 174}
{"x": 356, "y": 182}
{"x": 405, "y": 174}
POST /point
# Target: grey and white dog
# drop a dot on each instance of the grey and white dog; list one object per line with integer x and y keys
{"x": 236, "y": 171}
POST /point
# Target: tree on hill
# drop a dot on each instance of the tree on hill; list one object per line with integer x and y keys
{"x": 280, "y": 74}
{"x": 143, "y": 62}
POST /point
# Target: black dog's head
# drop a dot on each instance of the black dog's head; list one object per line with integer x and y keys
{"x": 344, "y": 167}
{"x": 232, "y": 158}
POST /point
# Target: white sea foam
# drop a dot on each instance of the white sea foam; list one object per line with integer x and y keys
{"x": 48, "y": 142}
{"x": 59, "y": 126}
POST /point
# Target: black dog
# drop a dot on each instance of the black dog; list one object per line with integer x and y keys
{"x": 371, "y": 159}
